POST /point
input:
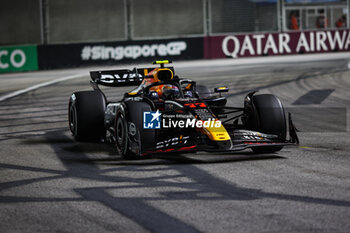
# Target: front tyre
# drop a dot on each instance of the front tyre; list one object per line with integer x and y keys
{"x": 121, "y": 136}
{"x": 130, "y": 136}
{"x": 270, "y": 119}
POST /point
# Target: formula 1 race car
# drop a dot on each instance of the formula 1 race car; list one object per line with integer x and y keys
{"x": 168, "y": 114}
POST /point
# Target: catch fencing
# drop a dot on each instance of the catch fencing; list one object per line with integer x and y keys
{"x": 49, "y": 34}
{"x": 81, "y": 21}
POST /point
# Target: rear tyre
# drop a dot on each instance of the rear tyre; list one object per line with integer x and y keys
{"x": 86, "y": 115}
{"x": 270, "y": 119}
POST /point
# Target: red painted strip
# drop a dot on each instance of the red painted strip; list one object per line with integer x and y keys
{"x": 186, "y": 148}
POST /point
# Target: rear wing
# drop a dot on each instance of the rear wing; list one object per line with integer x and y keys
{"x": 119, "y": 77}
{"x": 116, "y": 78}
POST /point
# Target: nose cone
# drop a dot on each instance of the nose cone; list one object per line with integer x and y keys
{"x": 217, "y": 134}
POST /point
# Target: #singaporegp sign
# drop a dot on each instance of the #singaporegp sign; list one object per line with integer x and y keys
{"x": 285, "y": 43}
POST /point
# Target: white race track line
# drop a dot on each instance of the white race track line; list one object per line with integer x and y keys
{"x": 45, "y": 84}
{"x": 215, "y": 62}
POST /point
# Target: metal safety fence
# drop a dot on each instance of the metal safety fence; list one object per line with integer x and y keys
{"x": 77, "y": 21}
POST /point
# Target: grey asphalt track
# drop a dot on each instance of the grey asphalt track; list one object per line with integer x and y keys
{"x": 49, "y": 183}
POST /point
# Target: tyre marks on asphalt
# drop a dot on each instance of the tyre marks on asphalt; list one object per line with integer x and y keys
{"x": 137, "y": 189}
{"x": 316, "y": 119}
{"x": 160, "y": 194}
{"x": 35, "y": 112}
{"x": 42, "y": 110}
{"x": 314, "y": 97}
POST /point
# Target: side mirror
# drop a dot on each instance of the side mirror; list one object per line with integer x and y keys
{"x": 220, "y": 89}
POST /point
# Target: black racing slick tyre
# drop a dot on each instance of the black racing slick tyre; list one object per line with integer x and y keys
{"x": 86, "y": 115}
{"x": 270, "y": 119}
{"x": 122, "y": 136}
{"x": 131, "y": 138}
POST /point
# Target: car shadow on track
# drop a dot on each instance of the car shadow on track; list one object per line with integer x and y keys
{"x": 177, "y": 181}
{"x": 112, "y": 158}
{"x": 174, "y": 159}
{"x": 101, "y": 153}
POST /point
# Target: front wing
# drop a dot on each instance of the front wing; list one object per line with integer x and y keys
{"x": 240, "y": 140}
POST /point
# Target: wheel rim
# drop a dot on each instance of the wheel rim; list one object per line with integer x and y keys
{"x": 120, "y": 132}
{"x": 120, "y": 135}
{"x": 73, "y": 120}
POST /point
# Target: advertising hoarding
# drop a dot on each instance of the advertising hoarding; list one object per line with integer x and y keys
{"x": 18, "y": 58}
{"x": 110, "y": 53}
{"x": 266, "y": 44}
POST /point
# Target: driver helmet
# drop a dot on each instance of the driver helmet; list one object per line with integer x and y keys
{"x": 170, "y": 91}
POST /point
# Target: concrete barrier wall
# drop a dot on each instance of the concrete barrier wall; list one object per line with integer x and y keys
{"x": 230, "y": 46}
{"x": 85, "y": 20}
{"x": 227, "y": 16}
{"x": 159, "y": 18}
{"x": 19, "y": 22}
{"x": 66, "y": 33}
{"x": 79, "y": 21}
{"x": 232, "y": 16}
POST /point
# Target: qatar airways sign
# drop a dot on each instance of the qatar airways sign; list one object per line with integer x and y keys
{"x": 277, "y": 43}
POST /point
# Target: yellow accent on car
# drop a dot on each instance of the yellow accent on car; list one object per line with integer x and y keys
{"x": 132, "y": 93}
{"x": 161, "y": 62}
{"x": 216, "y": 133}
{"x": 155, "y": 75}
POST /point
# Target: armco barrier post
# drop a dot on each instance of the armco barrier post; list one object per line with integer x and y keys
{"x": 18, "y": 58}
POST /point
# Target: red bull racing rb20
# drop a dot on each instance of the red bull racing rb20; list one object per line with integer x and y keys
{"x": 165, "y": 113}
